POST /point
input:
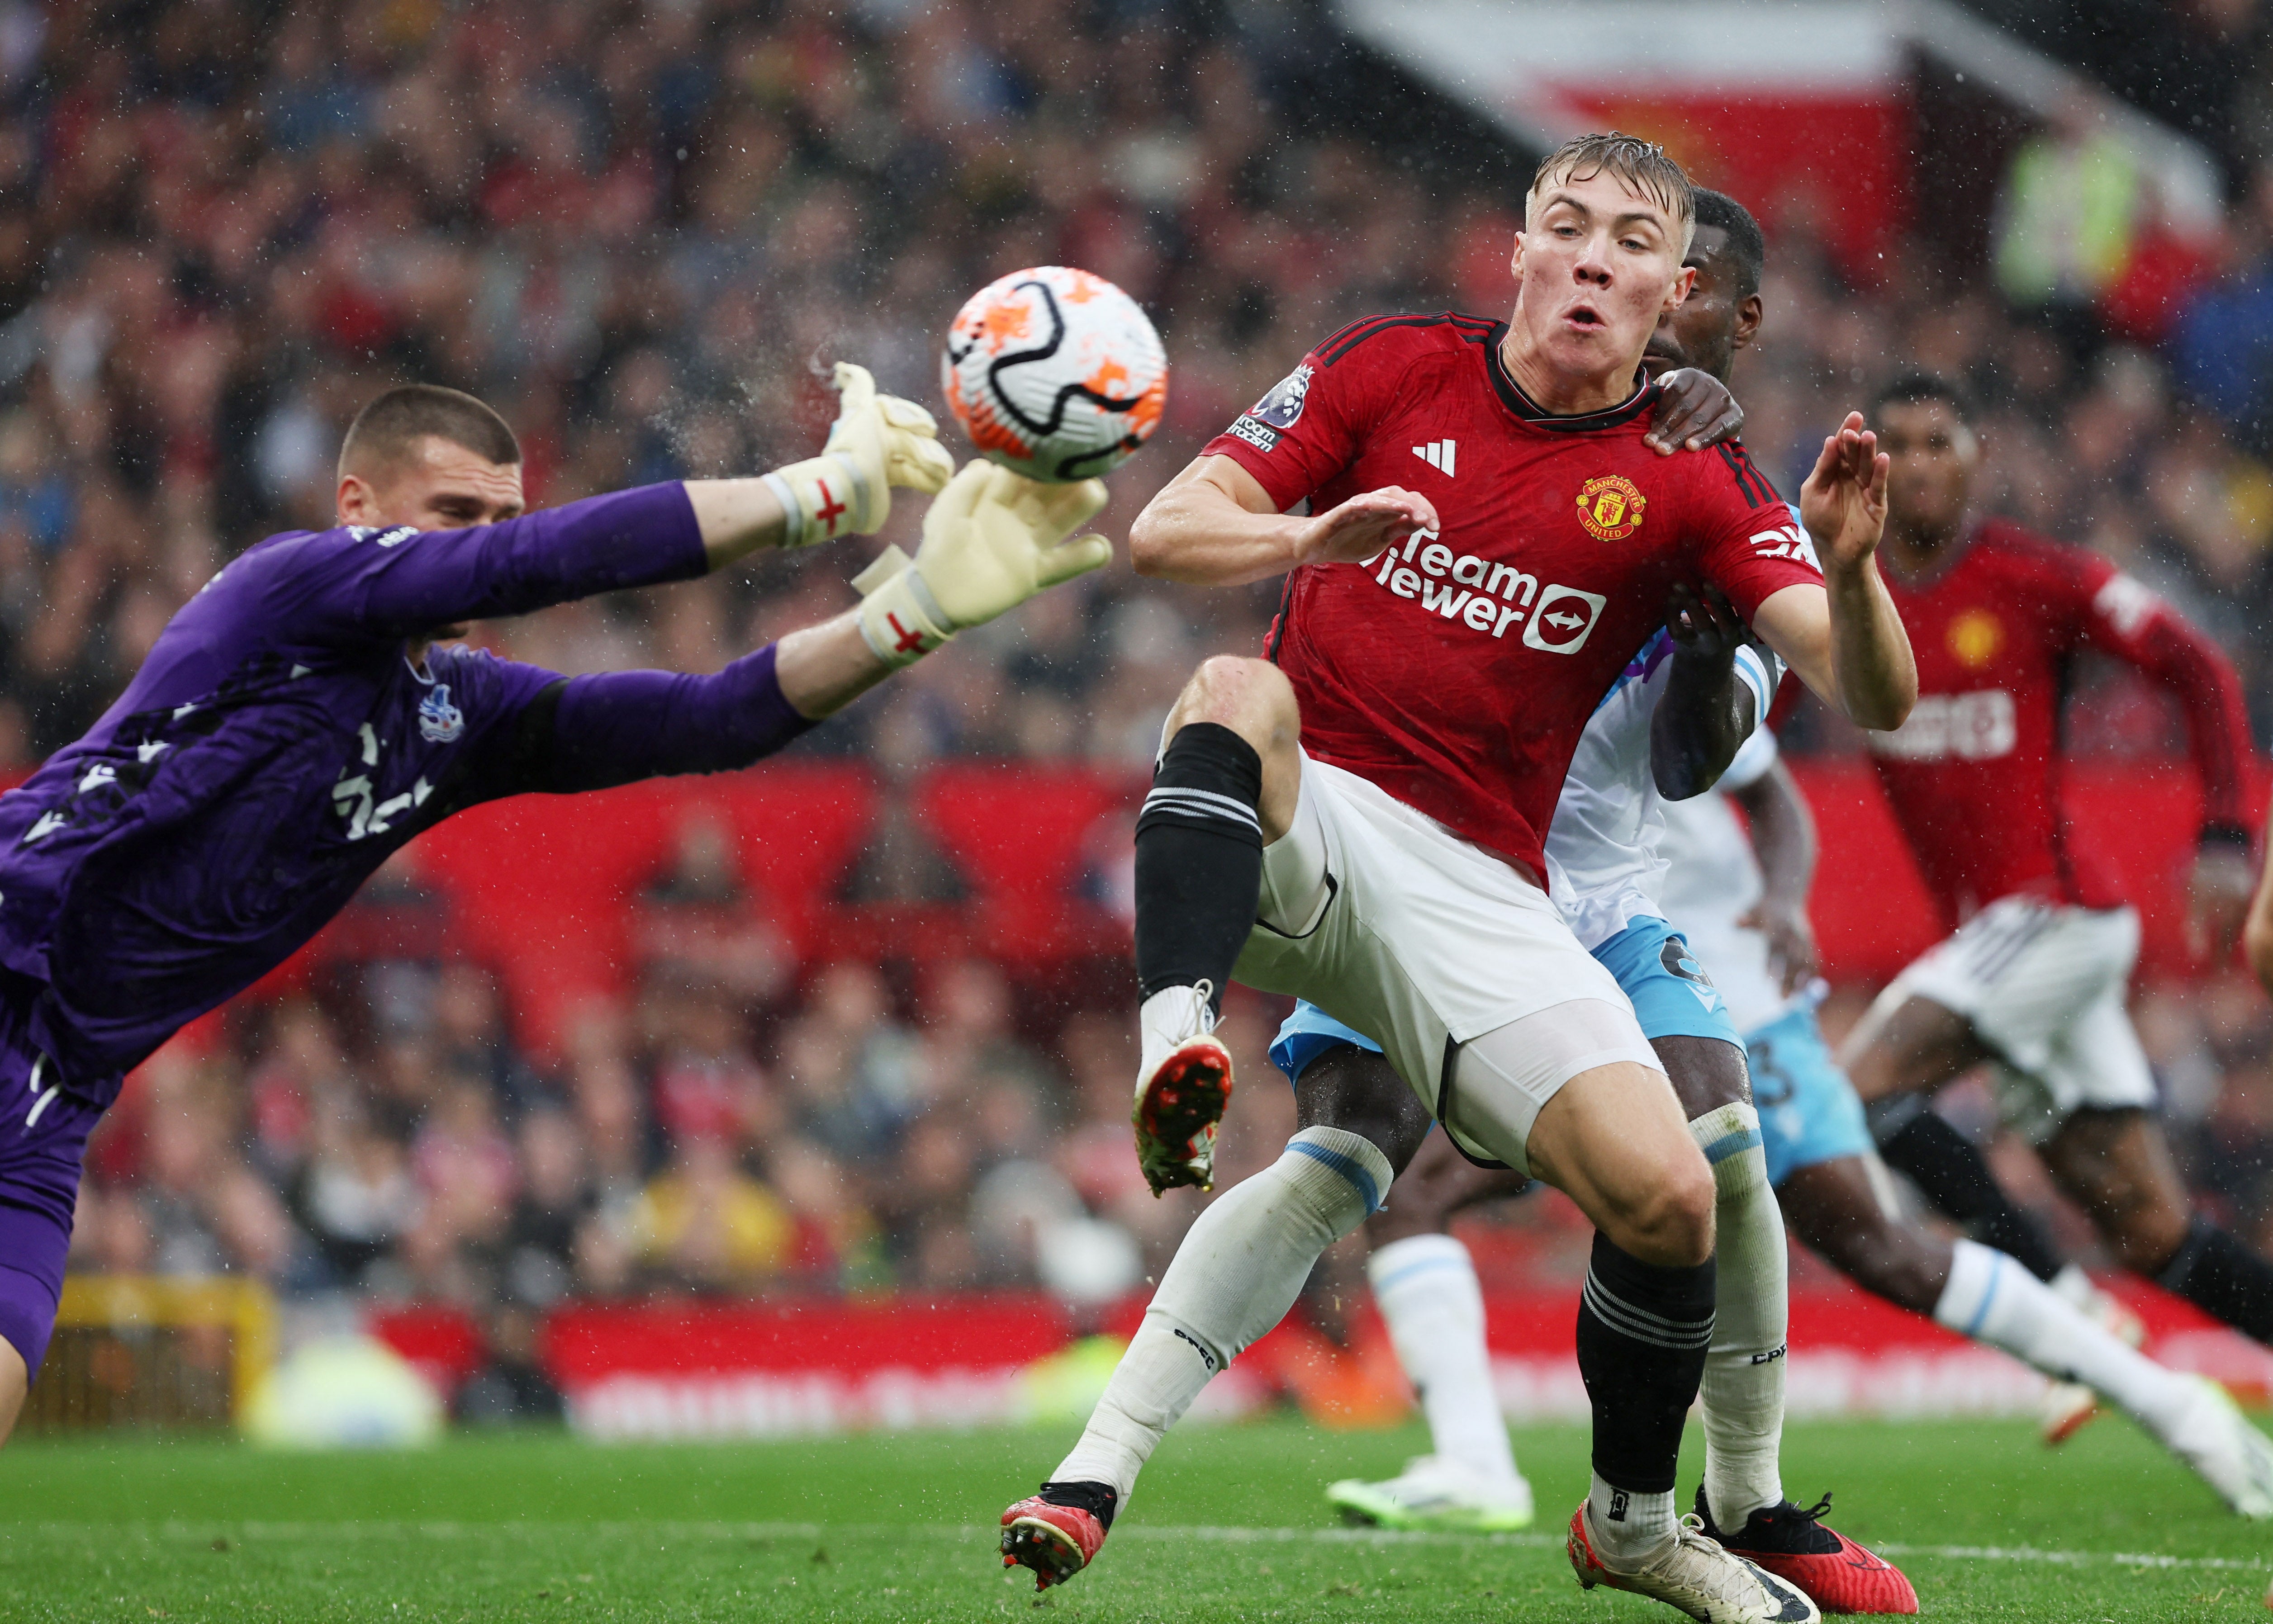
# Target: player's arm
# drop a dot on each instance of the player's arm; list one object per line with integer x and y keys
{"x": 991, "y": 540}
{"x": 2257, "y": 934}
{"x": 1783, "y": 839}
{"x": 877, "y": 442}
{"x": 1707, "y": 710}
{"x": 2123, "y": 618}
{"x": 405, "y": 583}
{"x": 1214, "y": 525}
{"x": 1845, "y": 637}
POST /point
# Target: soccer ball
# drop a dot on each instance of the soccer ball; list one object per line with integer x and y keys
{"x": 1054, "y": 373}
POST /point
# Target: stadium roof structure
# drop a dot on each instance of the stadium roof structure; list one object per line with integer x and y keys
{"x": 1764, "y": 97}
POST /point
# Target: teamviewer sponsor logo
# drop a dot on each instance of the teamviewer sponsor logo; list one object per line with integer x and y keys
{"x": 1486, "y": 596}
{"x": 1563, "y": 620}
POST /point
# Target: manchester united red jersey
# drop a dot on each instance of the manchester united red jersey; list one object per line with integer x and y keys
{"x": 1457, "y": 671}
{"x": 1974, "y": 776}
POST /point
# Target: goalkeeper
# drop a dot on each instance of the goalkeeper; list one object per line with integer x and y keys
{"x": 305, "y": 716}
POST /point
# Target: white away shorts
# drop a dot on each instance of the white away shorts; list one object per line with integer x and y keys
{"x": 1424, "y": 941}
{"x": 2044, "y": 986}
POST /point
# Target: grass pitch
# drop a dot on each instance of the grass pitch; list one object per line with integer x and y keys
{"x": 1229, "y": 1524}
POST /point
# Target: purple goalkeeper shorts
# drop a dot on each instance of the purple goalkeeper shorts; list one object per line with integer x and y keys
{"x": 44, "y": 1129}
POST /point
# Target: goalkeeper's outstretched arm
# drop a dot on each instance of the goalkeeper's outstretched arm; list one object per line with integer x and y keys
{"x": 991, "y": 540}
{"x": 412, "y": 557}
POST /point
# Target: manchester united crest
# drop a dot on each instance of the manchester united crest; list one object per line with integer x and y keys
{"x": 1610, "y": 507}
{"x": 1975, "y": 637}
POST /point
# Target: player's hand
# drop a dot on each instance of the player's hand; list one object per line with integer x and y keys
{"x": 1361, "y": 527}
{"x": 1843, "y": 503}
{"x": 992, "y": 540}
{"x": 1705, "y": 626}
{"x": 878, "y": 441}
{"x": 892, "y": 441}
{"x": 1694, "y": 411}
{"x": 1793, "y": 958}
{"x": 2217, "y": 902}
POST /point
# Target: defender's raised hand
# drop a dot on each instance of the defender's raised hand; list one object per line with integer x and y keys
{"x": 1843, "y": 503}
{"x": 1705, "y": 624}
{"x": 1359, "y": 529}
{"x": 993, "y": 540}
{"x": 1694, "y": 411}
{"x": 878, "y": 441}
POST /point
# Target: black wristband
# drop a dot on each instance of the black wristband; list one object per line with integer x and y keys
{"x": 2231, "y": 835}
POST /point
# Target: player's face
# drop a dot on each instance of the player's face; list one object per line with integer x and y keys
{"x": 1596, "y": 266}
{"x": 438, "y": 486}
{"x": 1934, "y": 454}
{"x": 1706, "y": 329}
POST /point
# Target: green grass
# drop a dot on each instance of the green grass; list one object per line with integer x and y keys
{"x": 1229, "y": 1524}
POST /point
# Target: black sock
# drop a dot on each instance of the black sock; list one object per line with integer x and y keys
{"x": 1643, "y": 1332}
{"x": 1199, "y": 860}
{"x": 1099, "y": 1500}
{"x": 2224, "y": 1278}
{"x": 1951, "y": 1172}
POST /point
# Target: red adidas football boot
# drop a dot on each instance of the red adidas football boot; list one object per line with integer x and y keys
{"x": 1795, "y": 1545}
{"x": 1055, "y": 1541}
{"x": 1183, "y": 1082}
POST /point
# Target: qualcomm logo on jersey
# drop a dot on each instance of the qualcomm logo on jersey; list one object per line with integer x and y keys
{"x": 1942, "y": 727}
{"x": 439, "y": 721}
{"x": 1487, "y": 596}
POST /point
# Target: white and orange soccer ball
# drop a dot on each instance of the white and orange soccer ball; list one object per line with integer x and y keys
{"x": 1054, "y": 373}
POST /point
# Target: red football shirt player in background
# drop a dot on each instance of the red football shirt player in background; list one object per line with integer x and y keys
{"x": 2034, "y": 979}
{"x": 1358, "y": 818}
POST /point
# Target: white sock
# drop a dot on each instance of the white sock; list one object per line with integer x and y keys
{"x": 1742, "y": 1390}
{"x": 1238, "y": 1271}
{"x": 2075, "y": 1288}
{"x": 1992, "y": 1300}
{"x": 1426, "y": 1287}
{"x": 1626, "y": 1525}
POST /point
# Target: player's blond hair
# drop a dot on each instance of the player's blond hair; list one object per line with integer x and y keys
{"x": 1640, "y": 165}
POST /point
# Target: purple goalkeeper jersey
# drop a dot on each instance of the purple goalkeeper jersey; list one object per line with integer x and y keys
{"x": 278, "y": 745}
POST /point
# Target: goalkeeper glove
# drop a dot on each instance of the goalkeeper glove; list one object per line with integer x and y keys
{"x": 991, "y": 540}
{"x": 877, "y": 441}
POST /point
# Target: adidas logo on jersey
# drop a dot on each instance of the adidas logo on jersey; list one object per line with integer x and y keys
{"x": 1487, "y": 596}
{"x": 1438, "y": 454}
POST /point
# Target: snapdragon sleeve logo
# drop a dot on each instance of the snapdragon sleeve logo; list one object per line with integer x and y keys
{"x": 1610, "y": 507}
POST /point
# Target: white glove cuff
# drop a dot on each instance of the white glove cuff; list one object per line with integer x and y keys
{"x": 822, "y": 498}
{"x": 900, "y": 620}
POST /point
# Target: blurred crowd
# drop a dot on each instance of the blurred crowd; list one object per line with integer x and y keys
{"x": 641, "y": 230}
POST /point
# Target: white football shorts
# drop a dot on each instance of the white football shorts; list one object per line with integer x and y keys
{"x": 2042, "y": 985}
{"x": 1424, "y": 942}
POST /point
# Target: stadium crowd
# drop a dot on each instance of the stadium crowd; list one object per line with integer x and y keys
{"x": 638, "y": 231}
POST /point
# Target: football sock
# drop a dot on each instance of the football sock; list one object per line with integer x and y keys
{"x": 1742, "y": 1385}
{"x": 2224, "y": 1278}
{"x": 1643, "y": 1332}
{"x": 1238, "y": 1271}
{"x": 2074, "y": 1287}
{"x": 1952, "y": 1173}
{"x": 1199, "y": 859}
{"x": 1992, "y": 1300}
{"x": 1426, "y": 1287}
{"x": 1099, "y": 1500}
